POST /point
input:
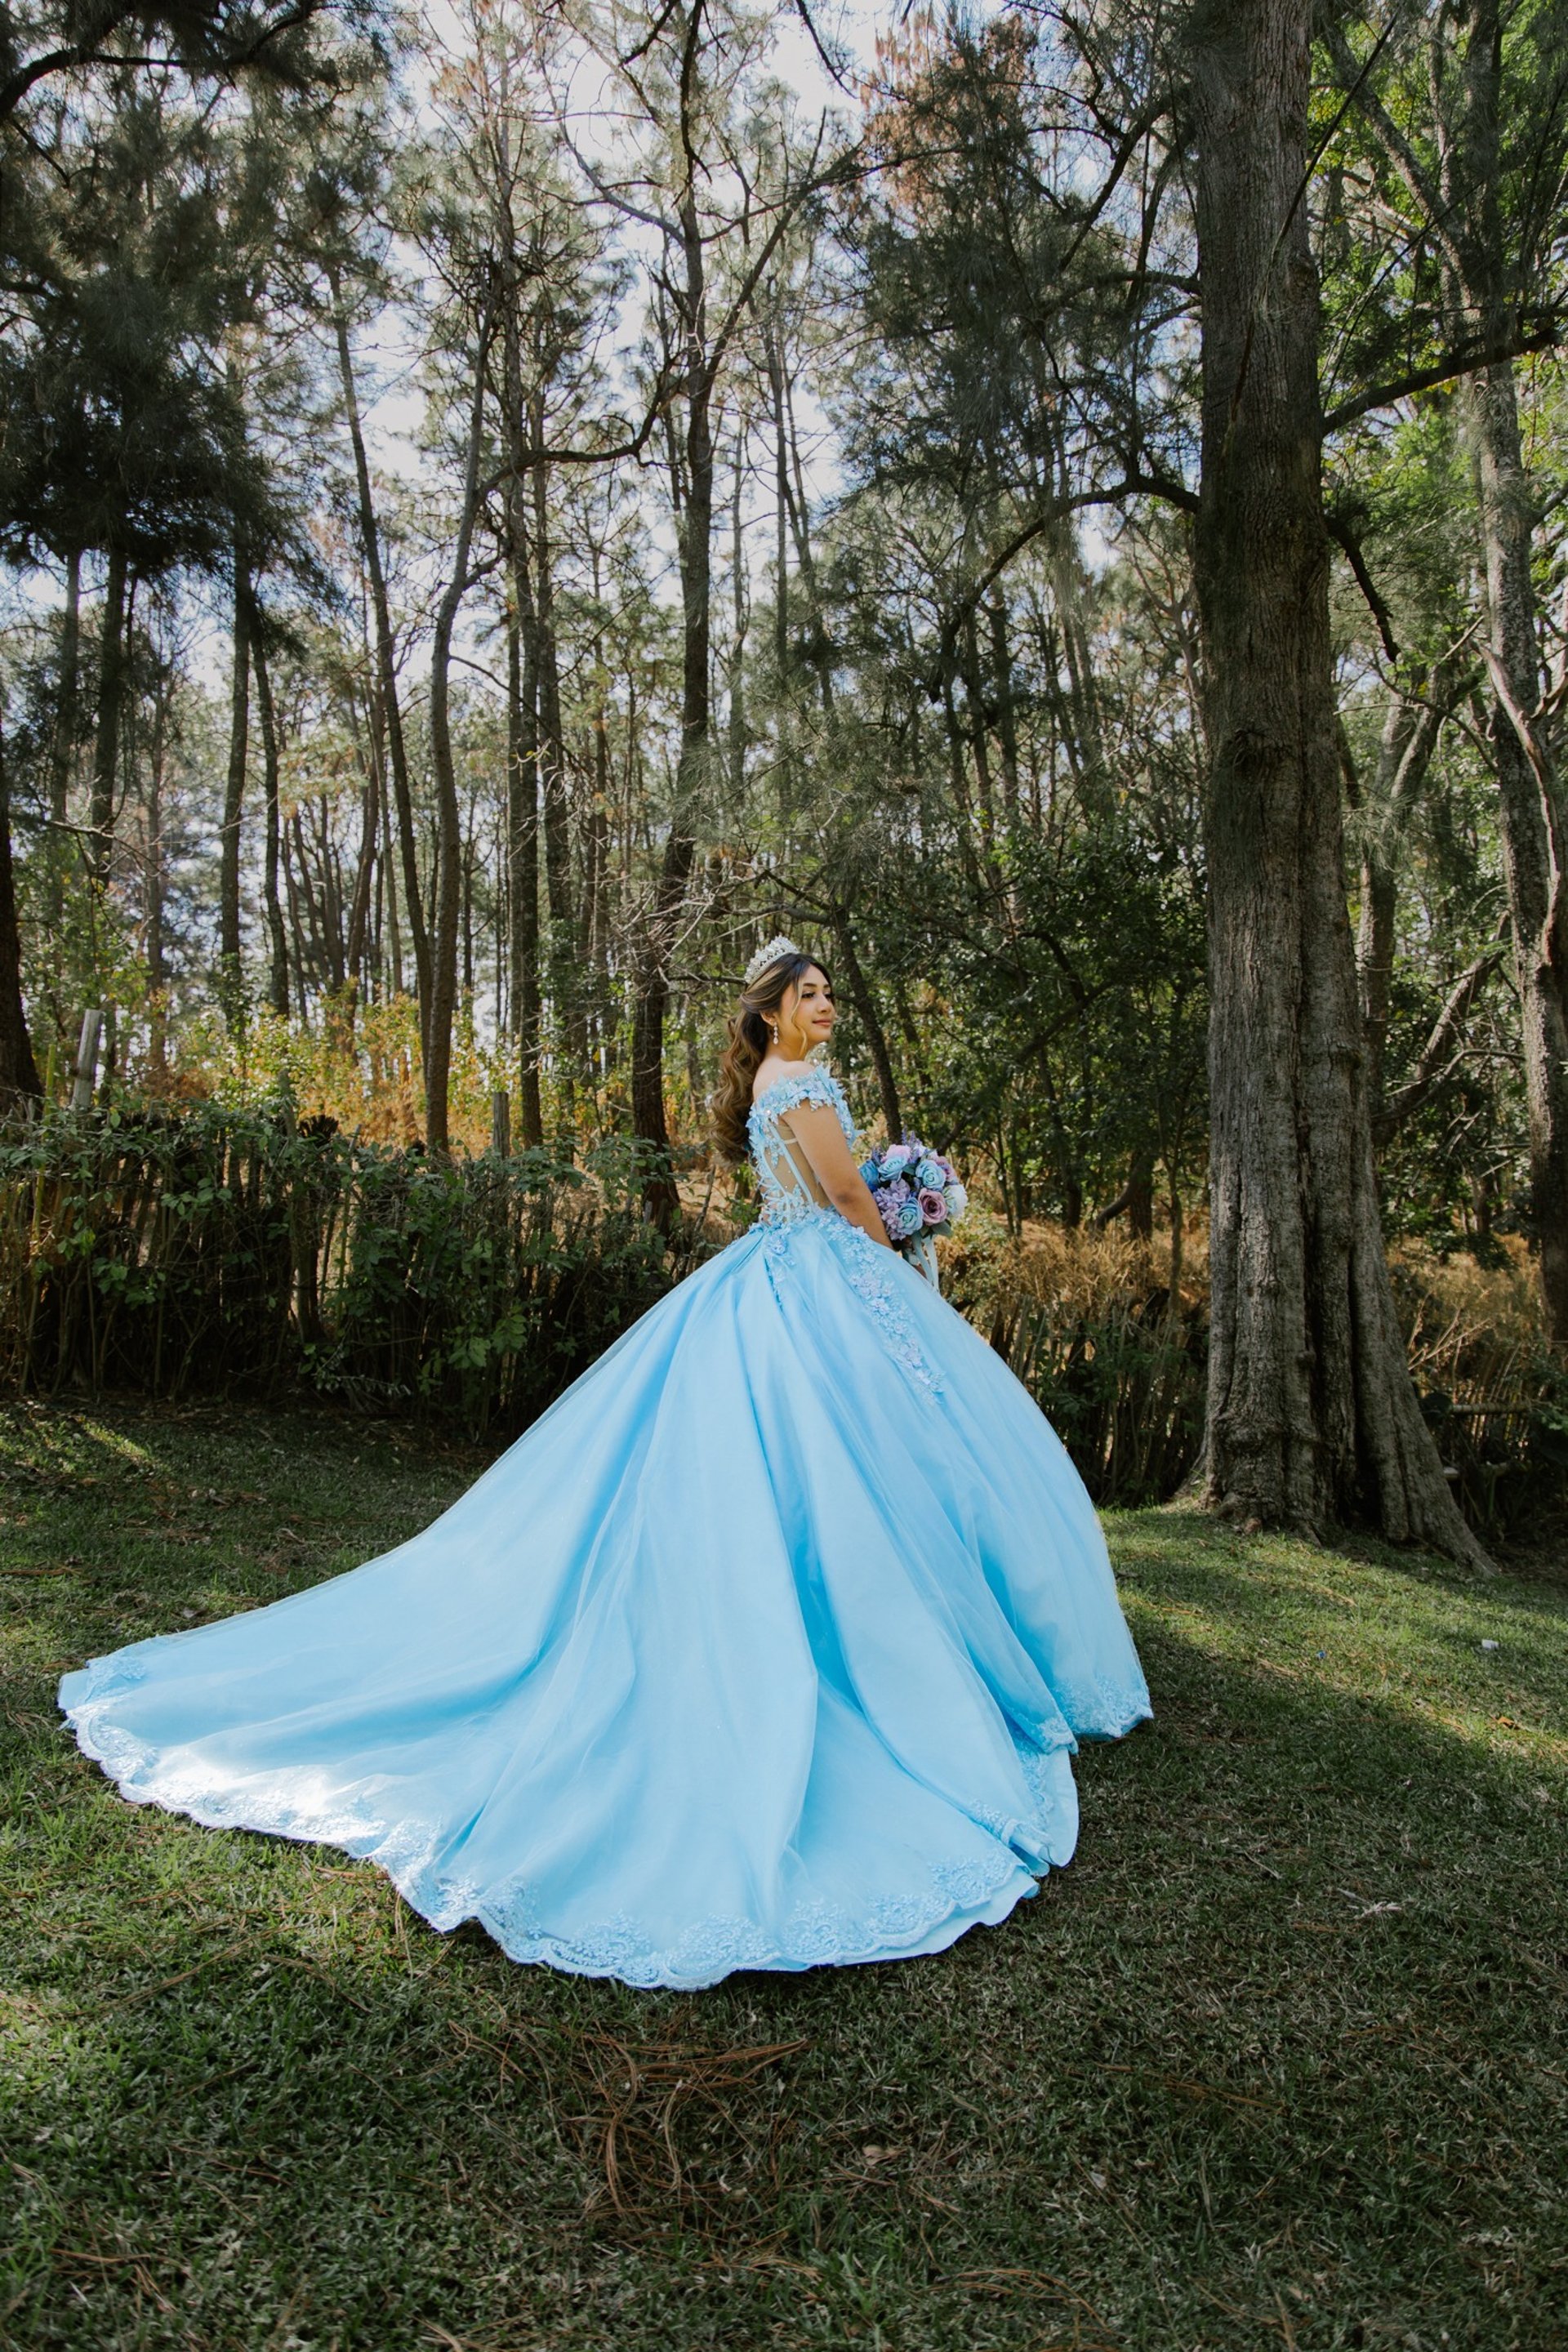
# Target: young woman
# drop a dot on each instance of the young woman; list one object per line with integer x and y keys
{"x": 767, "y": 1646}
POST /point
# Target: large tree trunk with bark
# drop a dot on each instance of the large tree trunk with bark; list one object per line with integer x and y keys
{"x": 1312, "y": 1417}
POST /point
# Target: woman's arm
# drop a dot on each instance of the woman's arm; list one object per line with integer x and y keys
{"x": 817, "y": 1129}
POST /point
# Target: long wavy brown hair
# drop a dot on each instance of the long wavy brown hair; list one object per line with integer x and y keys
{"x": 741, "y": 1057}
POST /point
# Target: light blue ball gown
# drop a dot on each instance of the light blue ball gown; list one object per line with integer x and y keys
{"x": 767, "y": 1646}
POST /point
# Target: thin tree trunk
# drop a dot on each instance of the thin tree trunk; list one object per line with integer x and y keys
{"x": 522, "y": 883}
{"x": 364, "y": 880}
{"x": 1404, "y": 756}
{"x": 19, "y": 1080}
{"x": 63, "y": 754}
{"x": 389, "y": 871}
{"x": 1530, "y": 793}
{"x": 870, "y": 1021}
{"x": 1463, "y": 205}
{"x": 110, "y": 694}
{"x": 278, "y": 938}
{"x": 230, "y": 979}
{"x": 443, "y": 955}
{"x": 157, "y": 973}
{"x": 1007, "y": 714}
{"x": 1313, "y": 1418}
{"x": 651, "y": 993}
{"x": 386, "y": 666}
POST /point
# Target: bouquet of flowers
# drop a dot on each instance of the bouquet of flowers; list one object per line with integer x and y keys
{"x": 916, "y": 1192}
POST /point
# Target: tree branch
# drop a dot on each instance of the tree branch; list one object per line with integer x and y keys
{"x": 1432, "y": 1065}
{"x": 1344, "y": 537}
{"x": 1463, "y": 361}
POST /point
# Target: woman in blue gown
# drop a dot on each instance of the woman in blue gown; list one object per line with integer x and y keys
{"x": 767, "y": 1646}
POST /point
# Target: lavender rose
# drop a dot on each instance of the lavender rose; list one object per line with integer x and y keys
{"x": 932, "y": 1205}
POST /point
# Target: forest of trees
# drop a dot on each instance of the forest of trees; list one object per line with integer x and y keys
{"x": 1062, "y": 508}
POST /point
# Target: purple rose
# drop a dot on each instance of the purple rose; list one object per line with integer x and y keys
{"x": 934, "y": 1205}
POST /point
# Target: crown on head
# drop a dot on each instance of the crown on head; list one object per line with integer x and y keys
{"x": 774, "y": 952}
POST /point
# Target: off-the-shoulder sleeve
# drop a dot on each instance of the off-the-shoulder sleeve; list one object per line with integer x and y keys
{"x": 810, "y": 1086}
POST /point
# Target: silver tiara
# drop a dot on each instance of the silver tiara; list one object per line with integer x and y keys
{"x": 775, "y": 952}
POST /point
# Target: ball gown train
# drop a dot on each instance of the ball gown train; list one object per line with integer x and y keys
{"x": 766, "y": 1646}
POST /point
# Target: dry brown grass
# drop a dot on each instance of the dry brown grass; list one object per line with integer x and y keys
{"x": 1474, "y": 1330}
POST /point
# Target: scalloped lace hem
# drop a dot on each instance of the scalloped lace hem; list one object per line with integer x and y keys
{"x": 816, "y": 1934}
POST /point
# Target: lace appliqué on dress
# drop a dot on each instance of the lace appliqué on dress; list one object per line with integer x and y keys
{"x": 813, "y": 1935}
{"x": 786, "y": 1207}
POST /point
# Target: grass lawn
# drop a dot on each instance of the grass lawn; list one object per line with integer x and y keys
{"x": 1282, "y": 2060}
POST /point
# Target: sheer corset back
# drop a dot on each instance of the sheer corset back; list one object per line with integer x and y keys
{"x": 786, "y": 1179}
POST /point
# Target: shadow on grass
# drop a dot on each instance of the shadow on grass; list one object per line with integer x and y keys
{"x": 1282, "y": 2058}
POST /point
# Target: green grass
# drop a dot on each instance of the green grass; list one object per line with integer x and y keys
{"x": 1282, "y": 2060}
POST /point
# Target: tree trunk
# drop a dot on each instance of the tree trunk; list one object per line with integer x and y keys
{"x": 157, "y": 973}
{"x": 230, "y": 979}
{"x": 278, "y": 937}
{"x": 1404, "y": 751}
{"x": 386, "y": 668}
{"x": 19, "y": 1081}
{"x": 870, "y": 1021}
{"x": 63, "y": 753}
{"x": 522, "y": 880}
{"x": 1313, "y": 1418}
{"x": 355, "y": 955}
{"x": 106, "y": 745}
{"x": 651, "y": 997}
{"x": 444, "y": 954}
{"x": 1007, "y": 714}
{"x": 1534, "y": 821}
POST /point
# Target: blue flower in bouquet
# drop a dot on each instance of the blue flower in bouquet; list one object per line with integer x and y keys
{"x": 917, "y": 1192}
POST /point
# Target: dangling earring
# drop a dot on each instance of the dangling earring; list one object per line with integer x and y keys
{"x": 774, "y": 1034}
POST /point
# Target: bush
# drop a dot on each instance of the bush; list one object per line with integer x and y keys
{"x": 220, "y": 1250}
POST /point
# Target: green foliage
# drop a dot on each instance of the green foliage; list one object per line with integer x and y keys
{"x": 220, "y": 1249}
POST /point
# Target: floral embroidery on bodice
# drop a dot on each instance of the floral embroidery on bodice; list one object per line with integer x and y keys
{"x": 789, "y": 1203}
{"x": 781, "y": 1165}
